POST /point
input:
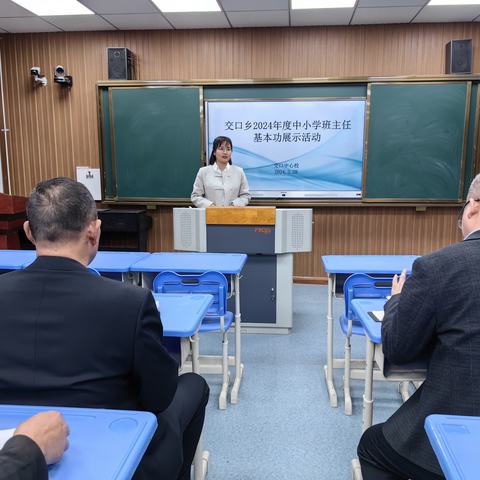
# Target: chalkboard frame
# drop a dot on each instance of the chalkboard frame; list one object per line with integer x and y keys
{"x": 471, "y": 167}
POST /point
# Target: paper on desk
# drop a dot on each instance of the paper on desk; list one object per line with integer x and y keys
{"x": 90, "y": 177}
{"x": 378, "y": 314}
{"x": 5, "y": 435}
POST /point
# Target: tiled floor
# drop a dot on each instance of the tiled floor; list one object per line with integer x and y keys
{"x": 283, "y": 427}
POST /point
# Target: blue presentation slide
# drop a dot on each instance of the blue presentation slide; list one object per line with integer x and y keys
{"x": 294, "y": 148}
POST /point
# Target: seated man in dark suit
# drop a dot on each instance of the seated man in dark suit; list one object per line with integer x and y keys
{"x": 37, "y": 442}
{"x": 76, "y": 339}
{"x": 436, "y": 312}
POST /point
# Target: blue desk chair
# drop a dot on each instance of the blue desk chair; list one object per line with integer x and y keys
{"x": 358, "y": 285}
{"x": 217, "y": 317}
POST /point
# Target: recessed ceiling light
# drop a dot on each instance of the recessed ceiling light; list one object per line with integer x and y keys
{"x": 454, "y": 2}
{"x": 54, "y": 7}
{"x": 309, "y": 4}
{"x": 187, "y": 5}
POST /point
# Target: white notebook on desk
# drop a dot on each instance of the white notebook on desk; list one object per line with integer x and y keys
{"x": 5, "y": 435}
{"x": 377, "y": 315}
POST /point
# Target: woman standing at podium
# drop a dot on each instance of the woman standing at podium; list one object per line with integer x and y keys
{"x": 220, "y": 184}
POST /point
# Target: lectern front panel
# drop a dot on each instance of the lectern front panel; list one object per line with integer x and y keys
{"x": 250, "y": 239}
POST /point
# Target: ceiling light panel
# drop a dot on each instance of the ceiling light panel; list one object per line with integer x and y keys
{"x": 54, "y": 7}
{"x": 313, "y": 4}
{"x": 454, "y": 2}
{"x": 178, "y": 6}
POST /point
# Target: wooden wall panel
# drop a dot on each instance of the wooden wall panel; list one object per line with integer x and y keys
{"x": 53, "y": 130}
{"x": 376, "y": 230}
{"x": 161, "y": 235}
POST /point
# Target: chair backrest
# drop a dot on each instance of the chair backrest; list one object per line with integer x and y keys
{"x": 213, "y": 283}
{"x": 361, "y": 285}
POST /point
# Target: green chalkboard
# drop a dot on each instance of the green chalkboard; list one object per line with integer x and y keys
{"x": 416, "y": 138}
{"x": 153, "y": 151}
{"x": 106, "y": 148}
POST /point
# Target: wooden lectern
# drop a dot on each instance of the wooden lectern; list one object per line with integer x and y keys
{"x": 12, "y": 215}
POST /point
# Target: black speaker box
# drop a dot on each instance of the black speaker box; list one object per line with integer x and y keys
{"x": 120, "y": 64}
{"x": 459, "y": 56}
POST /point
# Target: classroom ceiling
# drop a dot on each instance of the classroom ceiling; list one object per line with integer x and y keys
{"x": 144, "y": 15}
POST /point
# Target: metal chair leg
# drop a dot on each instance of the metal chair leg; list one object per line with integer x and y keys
{"x": 356, "y": 470}
{"x": 403, "y": 390}
{"x": 346, "y": 377}
{"x": 222, "y": 400}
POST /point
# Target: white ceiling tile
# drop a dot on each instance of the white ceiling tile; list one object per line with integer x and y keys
{"x": 78, "y": 23}
{"x": 26, "y": 25}
{"x": 392, "y": 3}
{"x": 251, "y": 5}
{"x": 272, "y": 18}
{"x": 11, "y": 9}
{"x": 324, "y": 16}
{"x": 143, "y": 14}
{"x": 198, "y": 20}
{"x": 120, "y": 6}
{"x": 365, "y": 16}
{"x": 450, "y": 13}
{"x": 141, "y": 21}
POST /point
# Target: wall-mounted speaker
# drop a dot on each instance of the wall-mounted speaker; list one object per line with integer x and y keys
{"x": 120, "y": 64}
{"x": 458, "y": 57}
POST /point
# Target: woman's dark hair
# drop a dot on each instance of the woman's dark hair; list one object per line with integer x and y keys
{"x": 217, "y": 143}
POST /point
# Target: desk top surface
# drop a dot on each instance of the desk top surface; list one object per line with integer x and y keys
{"x": 192, "y": 262}
{"x": 455, "y": 440}
{"x": 106, "y": 444}
{"x": 16, "y": 259}
{"x": 368, "y": 263}
{"x": 361, "y": 306}
{"x": 116, "y": 261}
{"x": 182, "y": 314}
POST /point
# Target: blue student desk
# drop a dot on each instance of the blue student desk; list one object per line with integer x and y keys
{"x": 104, "y": 444}
{"x": 455, "y": 440}
{"x": 191, "y": 262}
{"x": 182, "y": 315}
{"x": 16, "y": 259}
{"x": 188, "y": 262}
{"x": 347, "y": 265}
{"x": 117, "y": 264}
{"x": 374, "y": 354}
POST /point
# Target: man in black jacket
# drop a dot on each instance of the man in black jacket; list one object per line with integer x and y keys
{"x": 36, "y": 443}
{"x": 433, "y": 314}
{"x": 76, "y": 339}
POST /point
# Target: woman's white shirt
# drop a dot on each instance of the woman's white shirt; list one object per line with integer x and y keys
{"x": 222, "y": 188}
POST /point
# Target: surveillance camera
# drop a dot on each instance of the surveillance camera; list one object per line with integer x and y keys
{"x": 40, "y": 80}
{"x": 60, "y": 77}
